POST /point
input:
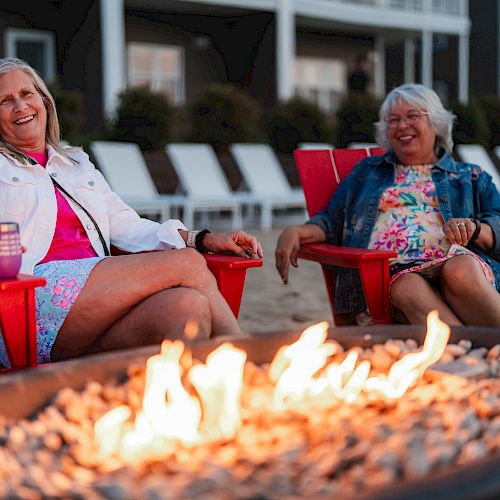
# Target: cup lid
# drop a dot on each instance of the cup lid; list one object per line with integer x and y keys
{"x": 8, "y": 226}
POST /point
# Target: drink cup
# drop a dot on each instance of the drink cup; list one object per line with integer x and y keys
{"x": 10, "y": 250}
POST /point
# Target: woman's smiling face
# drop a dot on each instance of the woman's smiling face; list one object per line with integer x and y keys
{"x": 411, "y": 135}
{"x": 23, "y": 117}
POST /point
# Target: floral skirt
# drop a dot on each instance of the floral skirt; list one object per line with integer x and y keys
{"x": 430, "y": 269}
{"x": 65, "y": 280}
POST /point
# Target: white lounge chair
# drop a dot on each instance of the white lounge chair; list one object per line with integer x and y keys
{"x": 264, "y": 177}
{"x": 123, "y": 166}
{"x": 476, "y": 154}
{"x": 315, "y": 145}
{"x": 203, "y": 180}
{"x": 363, "y": 145}
{"x": 497, "y": 151}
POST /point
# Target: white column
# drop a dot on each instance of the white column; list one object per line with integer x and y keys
{"x": 379, "y": 69}
{"x": 409, "y": 60}
{"x": 427, "y": 58}
{"x": 285, "y": 48}
{"x": 463, "y": 68}
{"x": 113, "y": 51}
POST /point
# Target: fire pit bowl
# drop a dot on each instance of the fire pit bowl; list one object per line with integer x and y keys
{"x": 23, "y": 393}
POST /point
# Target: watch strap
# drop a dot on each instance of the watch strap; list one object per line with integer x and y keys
{"x": 475, "y": 235}
{"x": 199, "y": 241}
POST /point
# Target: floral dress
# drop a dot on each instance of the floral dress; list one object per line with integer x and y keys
{"x": 65, "y": 280}
{"x": 410, "y": 223}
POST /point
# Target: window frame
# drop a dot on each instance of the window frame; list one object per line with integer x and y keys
{"x": 47, "y": 38}
{"x": 324, "y": 93}
{"x": 179, "y": 97}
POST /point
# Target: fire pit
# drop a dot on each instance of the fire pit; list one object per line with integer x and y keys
{"x": 439, "y": 439}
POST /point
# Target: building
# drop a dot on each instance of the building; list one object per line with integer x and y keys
{"x": 273, "y": 48}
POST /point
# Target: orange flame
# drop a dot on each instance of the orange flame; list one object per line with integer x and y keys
{"x": 219, "y": 393}
{"x": 171, "y": 416}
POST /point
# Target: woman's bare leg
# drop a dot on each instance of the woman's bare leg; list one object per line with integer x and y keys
{"x": 161, "y": 316}
{"x": 118, "y": 284}
{"x": 468, "y": 293}
{"x": 414, "y": 296}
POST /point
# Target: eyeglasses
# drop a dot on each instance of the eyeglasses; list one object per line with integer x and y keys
{"x": 410, "y": 119}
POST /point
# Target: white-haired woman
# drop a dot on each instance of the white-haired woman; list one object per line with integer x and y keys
{"x": 69, "y": 217}
{"x": 441, "y": 217}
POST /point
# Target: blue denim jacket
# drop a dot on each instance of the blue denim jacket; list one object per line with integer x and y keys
{"x": 462, "y": 189}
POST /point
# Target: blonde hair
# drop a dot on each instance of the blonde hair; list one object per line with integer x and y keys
{"x": 52, "y": 131}
{"x": 422, "y": 97}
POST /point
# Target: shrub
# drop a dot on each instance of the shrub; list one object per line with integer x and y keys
{"x": 222, "y": 115}
{"x": 143, "y": 117}
{"x": 294, "y": 121}
{"x": 69, "y": 111}
{"x": 355, "y": 119}
{"x": 470, "y": 125}
{"x": 491, "y": 107}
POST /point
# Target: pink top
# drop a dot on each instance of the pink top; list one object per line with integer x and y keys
{"x": 70, "y": 240}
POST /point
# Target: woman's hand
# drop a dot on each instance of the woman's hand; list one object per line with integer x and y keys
{"x": 289, "y": 241}
{"x": 286, "y": 251}
{"x": 237, "y": 242}
{"x": 459, "y": 230}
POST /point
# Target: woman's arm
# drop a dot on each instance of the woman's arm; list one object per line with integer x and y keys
{"x": 289, "y": 242}
{"x": 326, "y": 225}
{"x": 486, "y": 239}
{"x": 461, "y": 231}
{"x": 487, "y": 207}
{"x": 238, "y": 242}
{"x": 489, "y": 214}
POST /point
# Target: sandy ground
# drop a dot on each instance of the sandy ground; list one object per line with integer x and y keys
{"x": 269, "y": 305}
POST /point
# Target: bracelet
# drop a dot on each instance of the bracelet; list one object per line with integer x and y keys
{"x": 474, "y": 237}
{"x": 199, "y": 241}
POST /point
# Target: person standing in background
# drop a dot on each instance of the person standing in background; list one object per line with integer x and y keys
{"x": 360, "y": 80}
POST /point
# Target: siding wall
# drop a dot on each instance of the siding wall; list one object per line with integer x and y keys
{"x": 236, "y": 46}
{"x": 76, "y": 28}
{"x": 484, "y": 56}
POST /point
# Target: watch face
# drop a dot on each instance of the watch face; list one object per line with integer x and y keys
{"x": 191, "y": 239}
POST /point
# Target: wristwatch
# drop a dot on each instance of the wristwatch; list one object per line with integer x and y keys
{"x": 191, "y": 239}
{"x": 195, "y": 240}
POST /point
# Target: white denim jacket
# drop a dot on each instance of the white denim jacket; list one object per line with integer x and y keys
{"x": 27, "y": 197}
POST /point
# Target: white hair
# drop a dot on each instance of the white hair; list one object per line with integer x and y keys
{"x": 424, "y": 98}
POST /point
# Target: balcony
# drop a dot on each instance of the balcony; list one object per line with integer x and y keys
{"x": 457, "y": 8}
{"x": 413, "y": 16}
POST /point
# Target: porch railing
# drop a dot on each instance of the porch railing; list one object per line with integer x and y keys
{"x": 457, "y": 8}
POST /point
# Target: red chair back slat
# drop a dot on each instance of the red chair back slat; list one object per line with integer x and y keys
{"x": 321, "y": 172}
{"x": 377, "y": 151}
{"x": 317, "y": 177}
{"x": 345, "y": 159}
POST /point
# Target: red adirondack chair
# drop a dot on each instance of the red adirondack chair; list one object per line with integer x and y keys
{"x": 321, "y": 172}
{"x": 17, "y": 318}
{"x": 17, "y": 304}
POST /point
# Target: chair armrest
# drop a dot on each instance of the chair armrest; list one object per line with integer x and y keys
{"x": 21, "y": 282}
{"x": 334, "y": 255}
{"x": 215, "y": 261}
{"x": 373, "y": 266}
{"x": 230, "y": 271}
